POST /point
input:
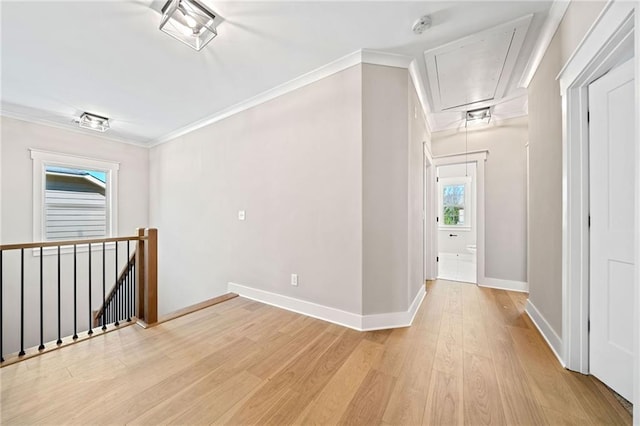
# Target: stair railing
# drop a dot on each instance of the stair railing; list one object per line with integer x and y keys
{"x": 74, "y": 276}
{"x": 120, "y": 301}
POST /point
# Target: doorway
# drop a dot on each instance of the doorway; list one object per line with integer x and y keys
{"x": 467, "y": 170}
{"x": 457, "y": 222}
{"x": 428, "y": 220}
{"x": 608, "y": 44}
{"x": 612, "y": 212}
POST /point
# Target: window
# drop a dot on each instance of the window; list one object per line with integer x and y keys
{"x": 73, "y": 197}
{"x": 455, "y": 202}
{"x": 75, "y": 204}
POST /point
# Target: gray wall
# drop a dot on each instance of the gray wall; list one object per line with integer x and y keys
{"x": 331, "y": 183}
{"x": 385, "y": 173}
{"x": 294, "y": 164}
{"x": 16, "y": 224}
{"x": 545, "y": 164}
{"x": 505, "y": 191}
{"x": 418, "y": 135}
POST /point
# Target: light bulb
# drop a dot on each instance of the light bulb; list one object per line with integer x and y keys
{"x": 190, "y": 21}
{"x": 186, "y": 31}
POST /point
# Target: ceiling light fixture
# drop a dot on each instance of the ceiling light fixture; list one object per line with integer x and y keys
{"x": 93, "y": 122}
{"x": 188, "y": 21}
{"x": 478, "y": 116}
{"x": 422, "y": 24}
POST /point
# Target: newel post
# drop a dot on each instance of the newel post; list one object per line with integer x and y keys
{"x": 147, "y": 275}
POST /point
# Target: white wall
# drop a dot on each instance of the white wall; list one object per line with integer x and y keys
{"x": 16, "y": 224}
{"x": 505, "y": 191}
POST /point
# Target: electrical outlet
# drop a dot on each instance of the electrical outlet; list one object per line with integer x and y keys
{"x": 241, "y": 215}
{"x": 294, "y": 279}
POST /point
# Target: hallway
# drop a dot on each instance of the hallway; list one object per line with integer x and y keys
{"x": 472, "y": 356}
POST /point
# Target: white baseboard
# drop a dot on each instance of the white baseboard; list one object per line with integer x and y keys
{"x": 553, "y": 340}
{"x": 394, "y": 319}
{"x": 333, "y": 315}
{"x": 501, "y": 284}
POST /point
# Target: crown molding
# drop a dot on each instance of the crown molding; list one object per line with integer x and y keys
{"x": 375, "y": 57}
{"x": 362, "y": 56}
{"x": 549, "y": 28}
{"x": 418, "y": 83}
{"x": 6, "y": 111}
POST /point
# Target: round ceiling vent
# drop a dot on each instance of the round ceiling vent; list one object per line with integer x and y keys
{"x": 422, "y": 24}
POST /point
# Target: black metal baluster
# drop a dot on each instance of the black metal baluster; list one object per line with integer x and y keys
{"x": 21, "y": 353}
{"x": 120, "y": 283}
{"x": 104, "y": 289}
{"x": 130, "y": 293}
{"x": 127, "y": 294}
{"x": 118, "y": 303}
{"x": 135, "y": 312}
{"x": 41, "y": 347}
{"x": 59, "y": 341}
{"x": 1, "y": 323}
{"x": 90, "y": 332}
{"x": 75, "y": 293}
{"x": 115, "y": 301}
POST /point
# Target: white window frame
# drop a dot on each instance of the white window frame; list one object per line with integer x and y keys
{"x": 468, "y": 208}
{"x": 44, "y": 159}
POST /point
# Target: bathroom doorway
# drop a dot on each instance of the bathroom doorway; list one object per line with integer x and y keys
{"x": 457, "y": 222}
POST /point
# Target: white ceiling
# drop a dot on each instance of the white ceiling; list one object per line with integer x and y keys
{"x": 109, "y": 58}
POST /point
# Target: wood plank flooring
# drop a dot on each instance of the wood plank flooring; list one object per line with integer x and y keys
{"x": 472, "y": 357}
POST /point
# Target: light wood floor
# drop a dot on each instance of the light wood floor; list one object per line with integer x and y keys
{"x": 471, "y": 357}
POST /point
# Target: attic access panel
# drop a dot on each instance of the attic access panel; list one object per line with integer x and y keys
{"x": 475, "y": 69}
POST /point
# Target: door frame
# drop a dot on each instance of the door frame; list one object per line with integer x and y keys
{"x": 428, "y": 219}
{"x": 478, "y": 157}
{"x": 605, "y": 46}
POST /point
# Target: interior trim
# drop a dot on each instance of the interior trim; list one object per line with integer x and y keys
{"x": 511, "y": 285}
{"x": 550, "y": 336}
{"x": 33, "y": 117}
{"x": 519, "y": 26}
{"x": 362, "y": 56}
{"x": 326, "y": 313}
{"x": 549, "y": 28}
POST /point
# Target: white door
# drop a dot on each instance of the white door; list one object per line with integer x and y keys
{"x": 611, "y": 180}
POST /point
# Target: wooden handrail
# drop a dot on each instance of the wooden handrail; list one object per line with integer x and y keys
{"x": 68, "y": 243}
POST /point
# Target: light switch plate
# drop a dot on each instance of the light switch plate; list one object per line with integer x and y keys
{"x": 241, "y": 215}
